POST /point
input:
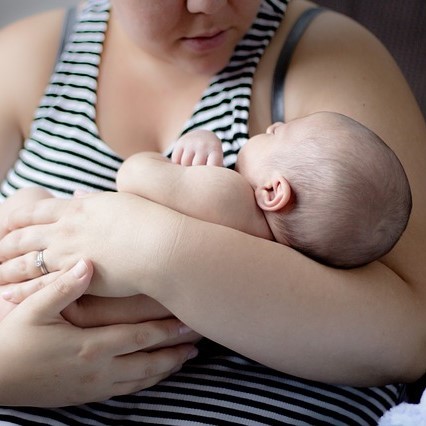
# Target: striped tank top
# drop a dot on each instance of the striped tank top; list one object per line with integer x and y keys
{"x": 64, "y": 152}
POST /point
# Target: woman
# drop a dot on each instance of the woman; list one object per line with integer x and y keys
{"x": 156, "y": 59}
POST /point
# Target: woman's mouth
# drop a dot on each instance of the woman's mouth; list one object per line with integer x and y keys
{"x": 203, "y": 43}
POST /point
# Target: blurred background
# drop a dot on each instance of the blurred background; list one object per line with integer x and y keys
{"x": 11, "y": 10}
{"x": 400, "y": 25}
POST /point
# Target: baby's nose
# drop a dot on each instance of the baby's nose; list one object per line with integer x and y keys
{"x": 273, "y": 127}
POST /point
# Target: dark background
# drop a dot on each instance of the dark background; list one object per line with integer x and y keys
{"x": 401, "y": 26}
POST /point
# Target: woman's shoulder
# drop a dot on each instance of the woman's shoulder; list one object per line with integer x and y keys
{"x": 28, "y": 50}
{"x": 334, "y": 65}
{"x": 33, "y": 36}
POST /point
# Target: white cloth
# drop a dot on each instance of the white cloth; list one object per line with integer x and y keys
{"x": 406, "y": 414}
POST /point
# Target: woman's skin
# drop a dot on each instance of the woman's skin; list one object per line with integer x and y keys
{"x": 97, "y": 360}
{"x": 360, "y": 327}
{"x": 43, "y": 321}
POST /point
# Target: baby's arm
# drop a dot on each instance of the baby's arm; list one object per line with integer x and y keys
{"x": 212, "y": 194}
{"x": 196, "y": 191}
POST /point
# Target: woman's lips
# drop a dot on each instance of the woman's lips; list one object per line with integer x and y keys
{"x": 204, "y": 43}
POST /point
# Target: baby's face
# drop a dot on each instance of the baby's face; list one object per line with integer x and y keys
{"x": 258, "y": 149}
{"x": 281, "y": 140}
{"x": 255, "y": 158}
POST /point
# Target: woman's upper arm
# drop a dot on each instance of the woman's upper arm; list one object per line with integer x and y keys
{"x": 28, "y": 50}
{"x": 339, "y": 66}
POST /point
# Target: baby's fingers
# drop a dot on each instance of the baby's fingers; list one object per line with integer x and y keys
{"x": 200, "y": 159}
{"x": 177, "y": 154}
{"x": 215, "y": 158}
{"x": 187, "y": 157}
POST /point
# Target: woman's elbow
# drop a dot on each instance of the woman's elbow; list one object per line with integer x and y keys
{"x": 416, "y": 367}
{"x": 409, "y": 363}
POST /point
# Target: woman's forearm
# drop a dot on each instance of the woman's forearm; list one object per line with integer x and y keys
{"x": 262, "y": 299}
{"x": 282, "y": 309}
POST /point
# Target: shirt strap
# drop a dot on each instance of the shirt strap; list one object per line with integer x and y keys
{"x": 296, "y": 33}
{"x": 67, "y": 27}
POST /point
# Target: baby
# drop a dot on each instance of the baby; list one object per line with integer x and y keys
{"x": 323, "y": 184}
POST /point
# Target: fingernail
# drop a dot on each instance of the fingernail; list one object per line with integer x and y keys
{"x": 192, "y": 354}
{"x": 7, "y": 295}
{"x": 79, "y": 269}
{"x": 184, "y": 329}
{"x": 79, "y": 193}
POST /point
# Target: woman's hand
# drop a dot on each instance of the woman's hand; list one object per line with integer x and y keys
{"x": 66, "y": 365}
{"x": 67, "y": 230}
{"x": 93, "y": 311}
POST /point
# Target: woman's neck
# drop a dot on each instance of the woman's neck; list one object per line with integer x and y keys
{"x": 143, "y": 102}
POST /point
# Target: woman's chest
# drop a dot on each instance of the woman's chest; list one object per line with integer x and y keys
{"x": 134, "y": 115}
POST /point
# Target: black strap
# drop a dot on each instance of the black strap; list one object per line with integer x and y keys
{"x": 277, "y": 96}
{"x": 67, "y": 28}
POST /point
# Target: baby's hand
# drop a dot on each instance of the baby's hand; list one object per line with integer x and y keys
{"x": 198, "y": 148}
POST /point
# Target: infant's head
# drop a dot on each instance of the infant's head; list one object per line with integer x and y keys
{"x": 329, "y": 187}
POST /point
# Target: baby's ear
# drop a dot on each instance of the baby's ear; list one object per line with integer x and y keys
{"x": 274, "y": 195}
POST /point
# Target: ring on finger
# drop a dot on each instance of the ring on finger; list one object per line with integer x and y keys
{"x": 39, "y": 263}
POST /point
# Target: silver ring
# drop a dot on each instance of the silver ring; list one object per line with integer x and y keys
{"x": 39, "y": 263}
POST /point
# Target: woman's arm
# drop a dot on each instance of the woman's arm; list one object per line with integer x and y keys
{"x": 260, "y": 298}
{"x": 28, "y": 49}
{"x": 364, "y": 326}
{"x": 70, "y": 364}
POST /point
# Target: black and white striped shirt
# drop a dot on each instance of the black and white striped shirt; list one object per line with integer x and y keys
{"x": 64, "y": 152}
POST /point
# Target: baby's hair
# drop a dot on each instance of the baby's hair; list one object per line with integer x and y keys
{"x": 351, "y": 197}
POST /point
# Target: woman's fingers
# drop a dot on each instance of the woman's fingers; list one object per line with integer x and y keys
{"x": 17, "y": 293}
{"x": 14, "y": 242}
{"x": 23, "y": 241}
{"x": 41, "y": 212}
{"x": 108, "y": 360}
{"x": 94, "y": 311}
{"x": 127, "y": 338}
{"x": 142, "y": 366}
{"x": 19, "y": 269}
{"x": 66, "y": 288}
{"x": 15, "y": 278}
